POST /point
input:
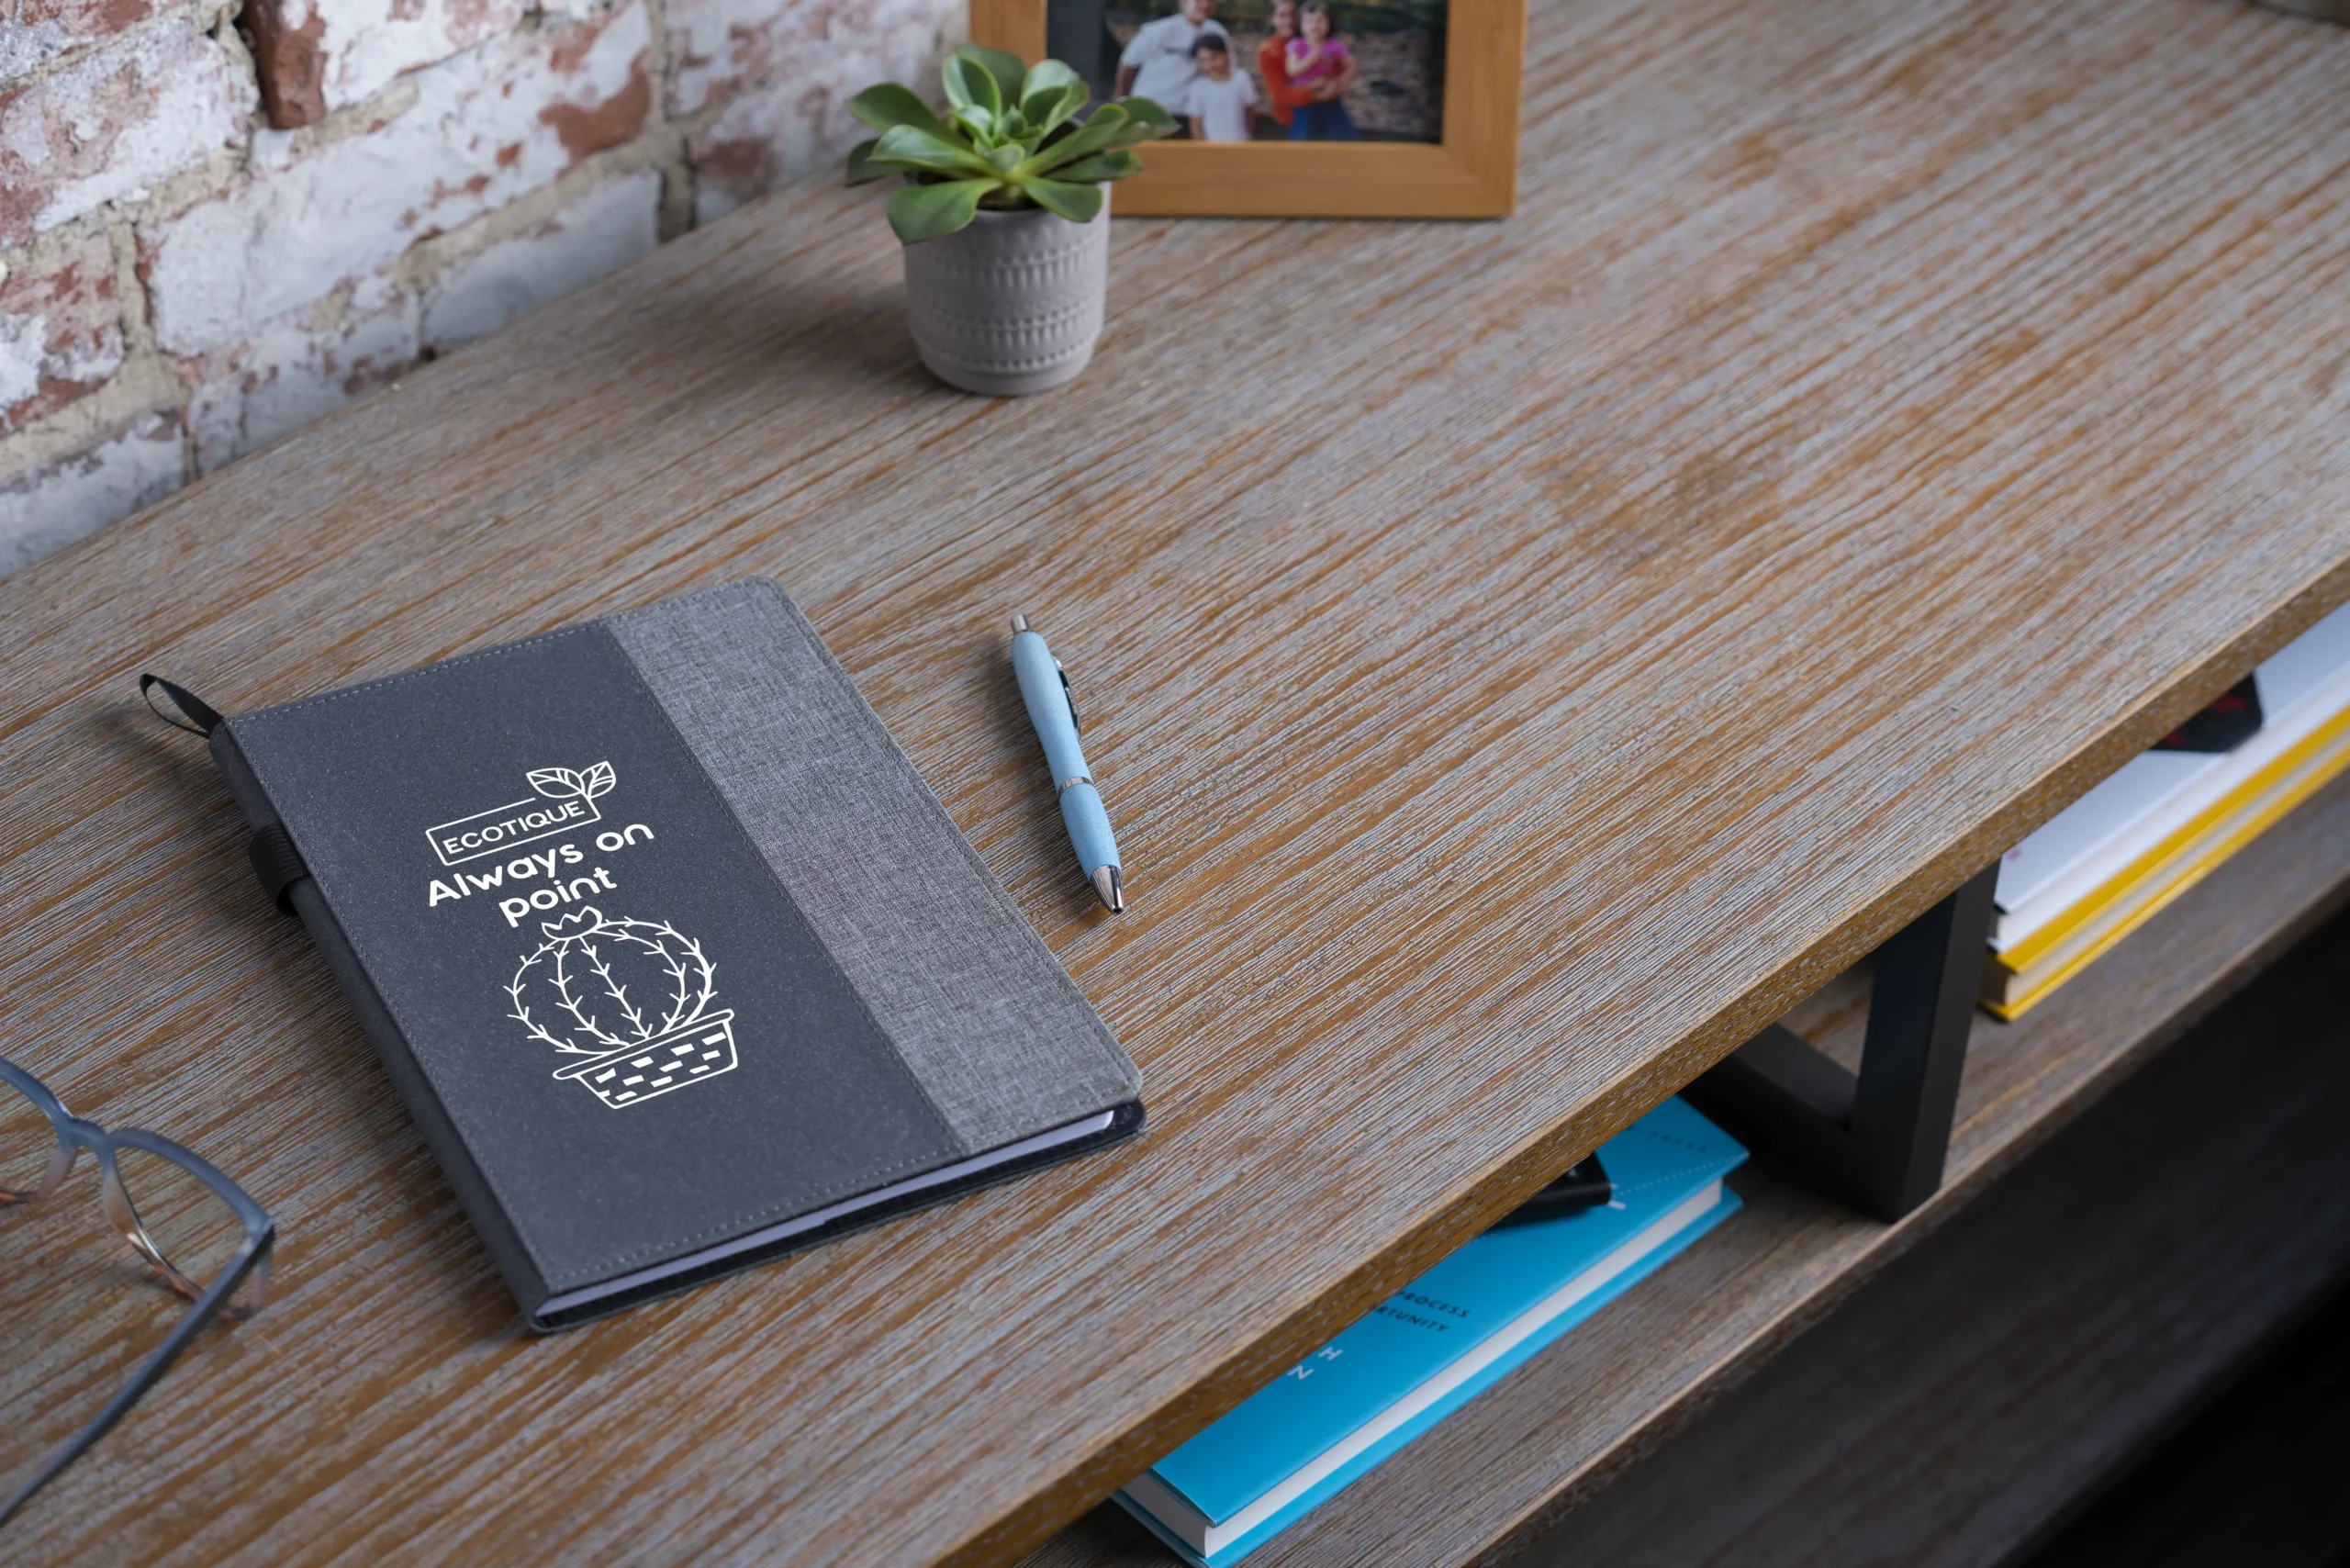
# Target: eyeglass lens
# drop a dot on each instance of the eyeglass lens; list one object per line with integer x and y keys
{"x": 70, "y": 1286}
{"x": 28, "y": 1145}
{"x": 81, "y": 1310}
{"x": 192, "y": 1227}
{"x": 178, "y": 1221}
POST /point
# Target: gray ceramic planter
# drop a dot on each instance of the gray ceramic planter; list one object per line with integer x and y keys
{"x": 1010, "y": 303}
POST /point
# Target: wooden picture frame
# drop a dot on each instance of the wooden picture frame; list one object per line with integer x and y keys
{"x": 1471, "y": 173}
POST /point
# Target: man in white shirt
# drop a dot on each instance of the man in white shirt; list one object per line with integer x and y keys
{"x": 1157, "y": 64}
{"x": 1215, "y": 106}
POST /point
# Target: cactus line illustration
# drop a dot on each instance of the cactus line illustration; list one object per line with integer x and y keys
{"x": 580, "y": 966}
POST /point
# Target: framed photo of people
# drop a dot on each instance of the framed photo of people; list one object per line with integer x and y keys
{"x": 1298, "y": 108}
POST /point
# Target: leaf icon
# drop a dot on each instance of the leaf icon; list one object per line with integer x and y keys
{"x": 553, "y": 782}
{"x": 599, "y": 782}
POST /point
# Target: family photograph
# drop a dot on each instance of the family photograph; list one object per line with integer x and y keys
{"x": 1265, "y": 70}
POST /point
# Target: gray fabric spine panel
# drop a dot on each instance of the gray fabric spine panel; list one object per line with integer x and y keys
{"x": 983, "y": 1014}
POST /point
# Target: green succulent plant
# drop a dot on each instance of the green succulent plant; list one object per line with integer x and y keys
{"x": 1011, "y": 139}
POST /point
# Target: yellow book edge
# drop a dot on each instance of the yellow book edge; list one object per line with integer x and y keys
{"x": 2000, "y": 977}
{"x": 2150, "y": 865}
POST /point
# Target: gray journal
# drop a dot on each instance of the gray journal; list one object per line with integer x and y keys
{"x": 674, "y": 957}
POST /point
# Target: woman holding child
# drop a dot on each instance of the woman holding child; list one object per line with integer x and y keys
{"x": 1302, "y": 87}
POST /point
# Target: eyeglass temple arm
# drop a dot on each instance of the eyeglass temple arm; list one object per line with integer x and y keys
{"x": 148, "y": 1373}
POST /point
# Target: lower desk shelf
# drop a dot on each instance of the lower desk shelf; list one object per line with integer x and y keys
{"x": 1610, "y": 1391}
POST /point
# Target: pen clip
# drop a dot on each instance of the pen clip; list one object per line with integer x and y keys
{"x": 1069, "y": 696}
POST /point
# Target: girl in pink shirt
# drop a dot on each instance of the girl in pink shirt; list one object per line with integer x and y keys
{"x": 1314, "y": 57}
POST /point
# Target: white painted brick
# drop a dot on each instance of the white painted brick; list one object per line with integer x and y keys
{"x": 330, "y": 54}
{"x": 292, "y": 371}
{"x": 53, "y": 506}
{"x": 61, "y": 328}
{"x": 484, "y": 128}
{"x": 33, "y": 32}
{"x": 791, "y": 70}
{"x": 112, "y": 124}
{"x": 608, "y": 227}
{"x": 25, "y": 44}
{"x": 833, "y": 48}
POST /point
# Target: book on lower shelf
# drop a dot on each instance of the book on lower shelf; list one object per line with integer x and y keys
{"x": 2121, "y": 853}
{"x": 1433, "y": 1346}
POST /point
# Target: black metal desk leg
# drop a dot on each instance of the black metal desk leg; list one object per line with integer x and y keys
{"x": 1878, "y": 1139}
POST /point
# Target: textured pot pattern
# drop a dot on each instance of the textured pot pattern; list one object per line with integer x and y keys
{"x": 1010, "y": 303}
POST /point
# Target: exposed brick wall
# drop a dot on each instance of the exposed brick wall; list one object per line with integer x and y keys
{"x": 220, "y": 220}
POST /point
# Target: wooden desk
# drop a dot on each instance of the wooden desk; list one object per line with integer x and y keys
{"x": 1523, "y": 659}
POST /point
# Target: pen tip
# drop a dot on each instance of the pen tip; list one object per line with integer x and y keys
{"x": 1112, "y": 887}
{"x": 1019, "y": 624}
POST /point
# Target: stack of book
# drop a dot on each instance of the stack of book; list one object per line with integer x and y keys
{"x": 2120, "y": 853}
{"x": 1433, "y": 1346}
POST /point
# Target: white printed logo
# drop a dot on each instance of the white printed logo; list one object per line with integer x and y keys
{"x": 567, "y": 800}
{"x": 632, "y": 999}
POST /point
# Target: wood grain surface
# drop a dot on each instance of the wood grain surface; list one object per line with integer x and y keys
{"x": 1523, "y": 659}
{"x": 1592, "y": 1407}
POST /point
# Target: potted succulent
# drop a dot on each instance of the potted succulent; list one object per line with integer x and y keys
{"x": 1005, "y": 213}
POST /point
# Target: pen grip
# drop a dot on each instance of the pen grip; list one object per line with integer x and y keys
{"x": 1088, "y": 828}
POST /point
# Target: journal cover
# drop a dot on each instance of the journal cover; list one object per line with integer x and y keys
{"x": 1432, "y": 1347}
{"x": 674, "y": 959}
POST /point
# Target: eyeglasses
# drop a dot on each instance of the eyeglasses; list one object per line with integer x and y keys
{"x": 197, "y": 1230}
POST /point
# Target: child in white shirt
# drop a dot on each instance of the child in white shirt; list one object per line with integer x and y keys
{"x": 1218, "y": 99}
{"x": 1157, "y": 64}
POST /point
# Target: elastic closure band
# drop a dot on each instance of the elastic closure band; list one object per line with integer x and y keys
{"x": 278, "y": 865}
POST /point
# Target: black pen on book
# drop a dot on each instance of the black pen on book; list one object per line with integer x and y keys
{"x": 1586, "y": 1186}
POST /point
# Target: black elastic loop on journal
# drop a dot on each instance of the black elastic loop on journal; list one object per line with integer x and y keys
{"x": 278, "y": 865}
{"x": 206, "y": 717}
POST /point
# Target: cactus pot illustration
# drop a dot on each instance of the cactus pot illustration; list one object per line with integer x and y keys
{"x": 631, "y": 1004}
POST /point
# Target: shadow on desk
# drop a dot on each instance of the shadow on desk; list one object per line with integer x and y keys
{"x": 825, "y": 334}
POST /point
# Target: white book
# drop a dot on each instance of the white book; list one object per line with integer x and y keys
{"x": 2152, "y": 796}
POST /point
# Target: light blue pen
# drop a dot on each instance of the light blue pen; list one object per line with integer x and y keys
{"x": 1044, "y": 687}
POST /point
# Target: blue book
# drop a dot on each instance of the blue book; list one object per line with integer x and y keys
{"x": 1434, "y": 1345}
